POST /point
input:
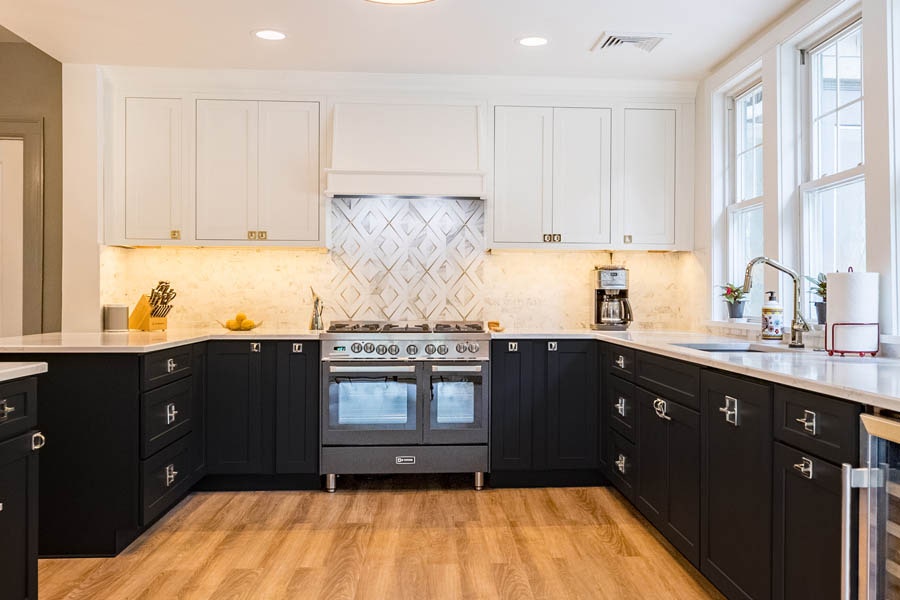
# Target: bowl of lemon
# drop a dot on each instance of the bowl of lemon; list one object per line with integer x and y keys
{"x": 240, "y": 322}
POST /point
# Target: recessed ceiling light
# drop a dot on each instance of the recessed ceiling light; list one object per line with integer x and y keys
{"x": 533, "y": 41}
{"x": 271, "y": 35}
{"x": 398, "y": 2}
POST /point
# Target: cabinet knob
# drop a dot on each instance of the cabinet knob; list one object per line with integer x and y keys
{"x": 262, "y": 235}
{"x": 251, "y": 235}
{"x": 621, "y": 464}
{"x": 660, "y": 407}
{"x": 38, "y": 440}
{"x": 548, "y": 238}
{"x": 6, "y": 409}
{"x": 805, "y": 466}
{"x": 620, "y": 406}
{"x": 731, "y": 411}
{"x": 175, "y": 234}
{"x": 1, "y": 507}
{"x": 557, "y": 237}
{"x": 626, "y": 239}
{"x": 808, "y": 421}
{"x": 297, "y": 348}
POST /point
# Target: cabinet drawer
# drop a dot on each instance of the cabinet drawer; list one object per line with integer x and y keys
{"x": 823, "y": 426}
{"x": 18, "y": 407}
{"x": 621, "y": 408}
{"x": 165, "y": 415}
{"x": 165, "y": 366}
{"x": 676, "y": 380}
{"x": 623, "y": 464}
{"x": 165, "y": 478}
{"x": 620, "y": 361}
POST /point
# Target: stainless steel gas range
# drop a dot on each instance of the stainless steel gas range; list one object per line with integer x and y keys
{"x": 404, "y": 398}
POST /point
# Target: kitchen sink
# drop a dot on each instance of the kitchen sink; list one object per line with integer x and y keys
{"x": 733, "y": 347}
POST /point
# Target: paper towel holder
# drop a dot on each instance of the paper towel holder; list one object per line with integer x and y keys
{"x": 833, "y": 351}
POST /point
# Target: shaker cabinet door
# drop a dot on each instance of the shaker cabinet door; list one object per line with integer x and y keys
{"x": 512, "y": 405}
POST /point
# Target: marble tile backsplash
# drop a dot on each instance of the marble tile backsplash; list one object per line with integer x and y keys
{"x": 403, "y": 259}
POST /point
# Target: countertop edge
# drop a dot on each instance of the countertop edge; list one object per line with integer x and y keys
{"x": 18, "y": 370}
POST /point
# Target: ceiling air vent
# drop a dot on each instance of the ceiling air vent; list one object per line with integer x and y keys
{"x": 645, "y": 41}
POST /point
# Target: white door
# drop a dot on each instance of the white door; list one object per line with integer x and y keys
{"x": 227, "y": 169}
{"x": 581, "y": 175}
{"x": 289, "y": 170}
{"x": 648, "y": 178}
{"x": 12, "y": 200}
{"x": 523, "y": 174}
{"x": 152, "y": 168}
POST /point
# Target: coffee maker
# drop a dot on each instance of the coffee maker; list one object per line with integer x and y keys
{"x": 612, "y": 310}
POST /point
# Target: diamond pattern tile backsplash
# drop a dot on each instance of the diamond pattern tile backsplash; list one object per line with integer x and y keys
{"x": 408, "y": 259}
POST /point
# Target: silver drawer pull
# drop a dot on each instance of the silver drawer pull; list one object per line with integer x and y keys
{"x": 808, "y": 421}
{"x": 731, "y": 411}
{"x": 621, "y": 464}
{"x": 513, "y": 347}
{"x": 5, "y": 409}
{"x": 660, "y": 407}
{"x": 620, "y": 406}
{"x": 805, "y": 466}
{"x": 551, "y": 346}
{"x": 171, "y": 365}
{"x": 620, "y": 362}
{"x": 297, "y": 348}
{"x": 38, "y": 441}
{"x": 171, "y": 474}
{"x": 1, "y": 507}
{"x": 255, "y": 347}
{"x": 171, "y": 413}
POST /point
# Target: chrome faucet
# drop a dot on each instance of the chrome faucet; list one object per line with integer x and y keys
{"x": 798, "y": 324}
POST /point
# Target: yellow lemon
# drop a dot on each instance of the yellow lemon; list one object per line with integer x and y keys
{"x": 232, "y": 324}
{"x": 247, "y": 324}
{"x": 240, "y": 317}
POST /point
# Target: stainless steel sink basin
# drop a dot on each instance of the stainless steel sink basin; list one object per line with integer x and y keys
{"x": 733, "y": 347}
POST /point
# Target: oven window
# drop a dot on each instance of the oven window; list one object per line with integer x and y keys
{"x": 454, "y": 401}
{"x": 371, "y": 402}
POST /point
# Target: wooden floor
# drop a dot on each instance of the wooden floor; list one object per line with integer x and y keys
{"x": 390, "y": 538}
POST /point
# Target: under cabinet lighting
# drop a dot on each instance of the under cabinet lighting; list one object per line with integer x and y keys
{"x": 533, "y": 41}
{"x": 271, "y": 35}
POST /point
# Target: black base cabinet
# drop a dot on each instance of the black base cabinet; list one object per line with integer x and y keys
{"x": 544, "y": 412}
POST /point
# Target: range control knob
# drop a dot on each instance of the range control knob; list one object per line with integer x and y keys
{"x": 474, "y": 347}
{"x": 442, "y": 349}
{"x": 381, "y": 349}
{"x": 369, "y": 348}
{"x": 394, "y": 349}
{"x": 412, "y": 349}
{"x": 356, "y": 348}
{"x": 429, "y": 349}
{"x": 460, "y": 348}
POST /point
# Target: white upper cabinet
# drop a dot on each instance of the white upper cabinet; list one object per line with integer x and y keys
{"x": 152, "y": 180}
{"x": 523, "y": 174}
{"x": 648, "y": 177}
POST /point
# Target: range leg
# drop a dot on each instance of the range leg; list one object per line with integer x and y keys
{"x": 479, "y": 480}
{"x": 330, "y": 483}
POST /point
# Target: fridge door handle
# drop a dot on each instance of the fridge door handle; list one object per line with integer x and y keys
{"x": 862, "y": 478}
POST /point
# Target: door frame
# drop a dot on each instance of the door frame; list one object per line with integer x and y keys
{"x": 31, "y": 132}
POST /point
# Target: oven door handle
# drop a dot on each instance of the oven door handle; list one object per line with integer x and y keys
{"x": 372, "y": 369}
{"x": 456, "y": 368}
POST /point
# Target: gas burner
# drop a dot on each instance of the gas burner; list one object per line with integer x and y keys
{"x": 356, "y": 327}
{"x": 406, "y": 328}
{"x": 458, "y": 327}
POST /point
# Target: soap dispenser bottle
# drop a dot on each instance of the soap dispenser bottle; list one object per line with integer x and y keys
{"x": 772, "y": 319}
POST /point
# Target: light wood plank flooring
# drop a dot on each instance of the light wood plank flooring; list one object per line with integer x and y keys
{"x": 390, "y": 538}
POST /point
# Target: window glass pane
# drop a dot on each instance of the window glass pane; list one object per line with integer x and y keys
{"x": 757, "y": 117}
{"x": 757, "y": 172}
{"x": 826, "y": 145}
{"x": 746, "y": 244}
{"x": 850, "y": 149}
{"x": 825, "y": 84}
{"x": 849, "y": 52}
{"x": 745, "y": 181}
{"x": 835, "y": 228}
{"x": 748, "y": 145}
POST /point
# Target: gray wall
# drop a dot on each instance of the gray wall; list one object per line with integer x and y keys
{"x": 31, "y": 87}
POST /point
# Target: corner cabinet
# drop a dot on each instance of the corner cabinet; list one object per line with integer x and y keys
{"x": 221, "y": 172}
{"x": 612, "y": 178}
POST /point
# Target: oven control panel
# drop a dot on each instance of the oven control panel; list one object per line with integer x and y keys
{"x": 407, "y": 348}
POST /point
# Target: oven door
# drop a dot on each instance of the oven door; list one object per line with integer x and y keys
{"x": 370, "y": 404}
{"x": 457, "y": 406}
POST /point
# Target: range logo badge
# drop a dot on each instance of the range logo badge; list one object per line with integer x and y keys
{"x": 405, "y": 460}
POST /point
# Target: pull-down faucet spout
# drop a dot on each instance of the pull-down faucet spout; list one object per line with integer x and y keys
{"x": 798, "y": 324}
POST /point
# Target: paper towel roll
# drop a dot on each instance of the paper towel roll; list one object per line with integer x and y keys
{"x": 852, "y": 298}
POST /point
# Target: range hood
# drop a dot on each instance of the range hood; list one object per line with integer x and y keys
{"x": 406, "y": 150}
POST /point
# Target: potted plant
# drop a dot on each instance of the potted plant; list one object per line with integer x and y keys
{"x": 735, "y": 296}
{"x": 820, "y": 289}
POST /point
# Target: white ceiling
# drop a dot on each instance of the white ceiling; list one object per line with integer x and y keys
{"x": 444, "y": 36}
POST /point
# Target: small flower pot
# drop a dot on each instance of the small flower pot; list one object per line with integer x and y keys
{"x": 735, "y": 310}
{"x": 820, "y": 312}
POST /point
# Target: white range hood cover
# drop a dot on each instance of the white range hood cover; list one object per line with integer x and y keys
{"x": 406, "y": 150}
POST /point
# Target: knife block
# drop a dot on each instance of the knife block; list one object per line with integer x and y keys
{"x": 140, "y": 317}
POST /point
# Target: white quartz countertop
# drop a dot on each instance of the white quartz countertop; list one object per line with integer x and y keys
{"x": 17, "y": 370}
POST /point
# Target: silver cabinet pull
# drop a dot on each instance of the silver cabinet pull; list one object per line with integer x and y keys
{"x": 808, "y": 421}
{"x": 551, "y": 346}
{"x": 297, "y": 348}
{"x": 38, "y": 440}
{"x": 514, "y": 346}
{"x": 171, "y": 412}
{"x": 620, "y": 362}
{"x": 731, "y": 411}
{"x": 171, "y": 474}
{"x": 548, "y": 237}
{"x": 805, "y": 466}
{"x": 621, "y": 464}
{"x": 557, "y": 237}
{"x": 1, "y": 507}
{"x": 171, "y": 365}
{"x": 6, "y": 409}
{"x": 254, "y": 347}
{"x": 660, "y": 407}
{"x": 620, "y": 406}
